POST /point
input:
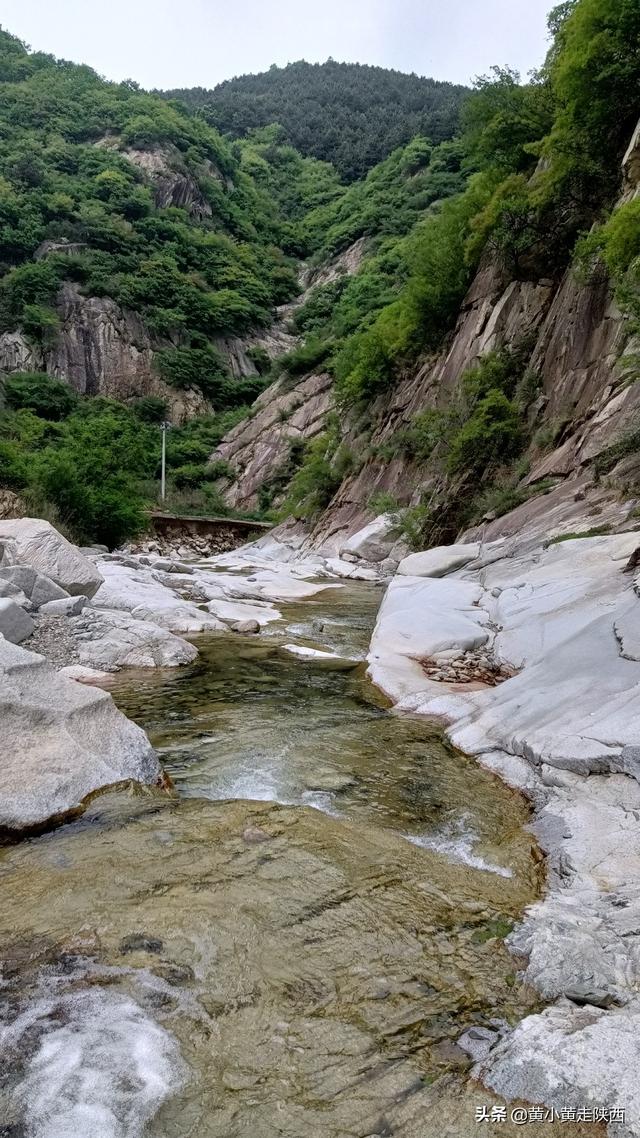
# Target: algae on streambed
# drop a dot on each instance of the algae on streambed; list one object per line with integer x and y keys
{"x": 263, "y": 967}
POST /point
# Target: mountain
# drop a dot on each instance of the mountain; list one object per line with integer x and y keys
{"x": 449, "y": 338}
{"x": 349, "y": 114}
{"x": 482, "y": 370}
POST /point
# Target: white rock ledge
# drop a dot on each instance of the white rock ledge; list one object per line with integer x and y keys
{"x": 61, "y": 741}
{"x": 566, "y": 729}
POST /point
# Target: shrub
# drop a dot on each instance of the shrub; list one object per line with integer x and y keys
{"x": 314, "y": 484}
{"x": 13, "y": 467}
{"x": 46, "y": 397}
{"x": 493, "y": 435}
{"x": 306, "y": 358}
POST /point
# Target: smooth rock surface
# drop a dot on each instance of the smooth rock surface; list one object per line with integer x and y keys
{"x": 67, "y": 606}
{"x": 108, "y": 640}
{"x": 375, "y": 541}
{"x": 61, "y": 741}
{"x": 15, "y": 624}
{"x": 140, "y": 593}
{"x": 35, "y": 586}
{"x": 36, "y": 543}
{"x": 566, "y": 728}
{"x": 438, "y": 562}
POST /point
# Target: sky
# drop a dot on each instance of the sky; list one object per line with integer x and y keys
{"x": 198, "y": 43}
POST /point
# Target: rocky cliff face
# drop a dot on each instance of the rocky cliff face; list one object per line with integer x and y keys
{"x": 578, "y": 347}
{"x": 100, "y": 350}
{"x": 258, "y": 448}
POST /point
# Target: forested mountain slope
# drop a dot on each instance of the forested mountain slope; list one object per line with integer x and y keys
{"x": 438, "y": 338}
{"x": 503, "y": 363}
{"x": 349, "y": 114}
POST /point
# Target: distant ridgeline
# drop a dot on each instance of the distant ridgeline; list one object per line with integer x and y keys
{"x": 349, "y": 114}
{"x": 146, "y": 242}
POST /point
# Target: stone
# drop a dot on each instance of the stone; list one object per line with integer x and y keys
{"x": 83, "y": 675}
{"x": 121, "y": 641}
{"x": 37, "y": 544}
{"x": 67, "y": 606}
{"x": 7, "y": 589}
{"x": 35, "y": 586}
{"x": 438, "y": 562}
{"x": 61, "y": 742}
{"x": 139, "y": 592}
{"x": 584, "y": 994}
{"x": 477, "y": 1042}
{"x": 375, "y": 541}
{"x": 245, "y": 626}
{"x": 15, "y": 624}
{"x": 419, "y": 618}
{"x": 141, "y": 942}
{"x": 321, "y": 657}
{"x": 586, "y": 1052}
{"x": 253, "y": 835}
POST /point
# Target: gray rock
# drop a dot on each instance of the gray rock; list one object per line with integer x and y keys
{"x": 7, "y": 589}
{"x": 245, "y": 626}
{"x": 597, "y": 997}
{"x": 15, "y": 624}
{"x": 67, "y": 606}
{"x": 140, "y": 942}
{"x": 477, "y": 1042}
{"x": 167, "y": 566}
{"x": 36, "y": 543}
{"x": 61, "y": 741}
{"x": 38, "y": 588}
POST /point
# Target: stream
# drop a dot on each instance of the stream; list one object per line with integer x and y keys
{"x": 287, "y": 943}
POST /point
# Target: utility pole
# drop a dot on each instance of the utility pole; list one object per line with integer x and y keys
{"x": 163, "y": 478}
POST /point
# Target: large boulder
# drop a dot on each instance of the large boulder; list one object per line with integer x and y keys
{"x": 61, "y": 741}
{"x": 35, "y": 586}
{"x": 139, "y": 592}
{"x": 109, "y": 640}
{"x": 35, "y": 542}
{"x": 438, "y": 562}
{"x": 375, "y": 541}
{"x": 15, "y": 624}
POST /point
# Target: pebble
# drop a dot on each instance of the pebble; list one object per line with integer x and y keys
{"x": 466, "y": 668}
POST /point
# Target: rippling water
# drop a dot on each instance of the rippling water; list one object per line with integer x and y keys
{"x": 287, "y": 945}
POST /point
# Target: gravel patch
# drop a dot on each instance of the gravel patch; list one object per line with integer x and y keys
{"x": 53, "y": 639}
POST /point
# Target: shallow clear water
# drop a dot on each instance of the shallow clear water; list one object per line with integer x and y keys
{"x": 288, "y": 944}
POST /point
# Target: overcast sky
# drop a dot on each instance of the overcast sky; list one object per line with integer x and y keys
{"x": 190, "y": 43}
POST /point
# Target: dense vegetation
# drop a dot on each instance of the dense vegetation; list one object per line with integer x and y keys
{"x": 541, "y": 162}
{"x": 348, "y": 114}
{"x": 71, "y": 147}
{"x": 531, "y": 174}
{"x": 87, "y": 464}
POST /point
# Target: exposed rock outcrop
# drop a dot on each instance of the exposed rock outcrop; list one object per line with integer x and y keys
{"x": 100, "y": 349}
{"x": 578, "y": 346}
{"x": 61, "y": 741}
{"x": 565, "y": 726}
{"x": 36, "y": 544}
{"x": 259, "y": 447}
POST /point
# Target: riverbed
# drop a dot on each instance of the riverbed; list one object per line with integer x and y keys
{"x": 291, "y": 940}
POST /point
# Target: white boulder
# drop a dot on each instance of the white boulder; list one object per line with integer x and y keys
{"x": 67, "y": 606}
{"x": 440, "y": 561}
{"x": 110, "y": 640}
{"x": 61, "y": 741}
{"x": 419, "y": 618}
{"x": 36, "y": 543}
{"x": 139, "y": 592}
{"x": 375, "y": 541}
